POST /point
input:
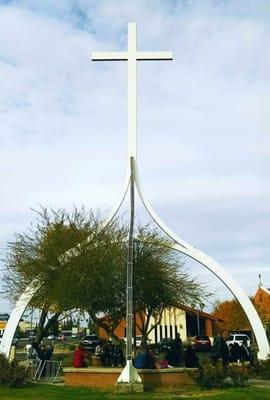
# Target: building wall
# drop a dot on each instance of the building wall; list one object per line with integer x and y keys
{"x": 120, "y": 331}
{"x": 25, "y": 326}
{"x": 172, "y": 321}
{"x": 209, "y": 327}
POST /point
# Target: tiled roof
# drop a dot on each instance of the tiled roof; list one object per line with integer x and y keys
{"x": 265, "y": 289}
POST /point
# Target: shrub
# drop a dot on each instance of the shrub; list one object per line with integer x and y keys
{"x": 4, "y": 366}
{"x": 238, "y": 374}
{"x": 210, "y": 376}
{"x": 11, "y": 374}
{"x": 72, "y": 347}
{"x": 263, "y": 368}
{"x": 217, "y": 376}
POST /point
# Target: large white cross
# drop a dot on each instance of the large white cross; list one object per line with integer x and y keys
{"x": 131, "y": 56}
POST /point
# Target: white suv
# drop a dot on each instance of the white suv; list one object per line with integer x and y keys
{"x": 238, "y": 338}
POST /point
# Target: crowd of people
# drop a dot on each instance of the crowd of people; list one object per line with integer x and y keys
{"x": 111, "y": 355}
{"x": 232, "y": 353}
{"x": 168, "y": 356}
{"x": 39, "y": 351}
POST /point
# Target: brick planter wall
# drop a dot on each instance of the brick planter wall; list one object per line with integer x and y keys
{"x": 106, "y": 378}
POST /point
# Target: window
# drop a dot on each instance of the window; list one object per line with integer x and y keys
{"x": 160, "y": 332}
{"x": 156, "y": 334}
{"x": 171, "y": 332}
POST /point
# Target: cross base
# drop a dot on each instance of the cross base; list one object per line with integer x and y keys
{"x": 129, "y": 388}
{"x": 129, "y": 375}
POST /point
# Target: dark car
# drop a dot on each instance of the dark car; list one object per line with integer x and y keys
{"x": 202, "y": 343}
{"x": 90, "y": 342}
{"x": 166, "y": 344}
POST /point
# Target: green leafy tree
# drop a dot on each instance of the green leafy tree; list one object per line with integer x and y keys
{"x": 36, "y": 255}
{"x": 92, "y": 276}
{"x": 160, "y": 280}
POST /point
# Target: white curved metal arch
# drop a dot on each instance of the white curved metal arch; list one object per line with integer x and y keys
{"x": 16, "y": 316}
{"x": 74, "y": 251}
{"x": 180, "y": 246}
{"x": 208, "y": 262}
{"x": 34, "y": 286}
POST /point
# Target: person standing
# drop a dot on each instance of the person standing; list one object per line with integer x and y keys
{"x": 191, "y": 359}
{"x": 219, "y": 350}
{"x": 177, "y": 348}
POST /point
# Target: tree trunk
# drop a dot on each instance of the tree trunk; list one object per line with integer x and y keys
{"x": 50, "y": 324}
{"x": 43, "y": 327}
{"x": 109, "y": 329}
{"x": 41, "y": 323}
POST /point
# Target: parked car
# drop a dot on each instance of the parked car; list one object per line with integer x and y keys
{"x": 52, "y": 337}
{"x": 138, "y": 341}
{"x": 90, "y": 342}
{"x": 202, "y": 343}
{"x": 238, "y": 338}
{"x": 75, "y": 336}
{"x": 166, "y": 343}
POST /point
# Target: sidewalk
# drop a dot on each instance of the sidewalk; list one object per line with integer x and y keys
{"x": 261, "y": 383}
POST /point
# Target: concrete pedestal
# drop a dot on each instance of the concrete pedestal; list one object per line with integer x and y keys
{"x": 124, "y": 388}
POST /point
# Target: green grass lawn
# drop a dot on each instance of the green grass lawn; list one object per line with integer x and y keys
{"x": 54, "y": 392}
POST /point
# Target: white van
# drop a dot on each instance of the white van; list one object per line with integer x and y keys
{"x": 238, "y": 338}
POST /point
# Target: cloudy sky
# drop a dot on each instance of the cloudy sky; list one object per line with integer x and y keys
{"x": 203, "y": 119}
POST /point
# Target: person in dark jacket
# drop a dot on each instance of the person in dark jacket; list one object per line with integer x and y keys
{"x": 219, "y": 350}
{"x": 191, "y": 359}
{"x": 49, "y": 351}
{"x": 235, "y": 352}
{"x": 245, "y": 353}
{"x": 177, "y": 348}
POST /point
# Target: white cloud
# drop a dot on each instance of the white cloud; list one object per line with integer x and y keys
{"x": 203, "y": 118}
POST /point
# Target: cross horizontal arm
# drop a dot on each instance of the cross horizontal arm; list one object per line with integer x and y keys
{"x": 154, "y": 55}
{"x": 110, "y": 56}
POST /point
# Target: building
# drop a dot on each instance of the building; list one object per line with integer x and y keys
{"x": 24, "y": 326}
{"x": 185, "y": 320}
{"x": 4, "y": 317}
{"x": 3, "y": 321}
{"x": 262, "y": 304}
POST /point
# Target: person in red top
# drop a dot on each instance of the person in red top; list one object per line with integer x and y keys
{"x": 79, "y": 358}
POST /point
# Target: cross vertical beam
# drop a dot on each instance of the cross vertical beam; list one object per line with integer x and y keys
{"x": 129, "y": 374}
{"x": 132, "y": 91}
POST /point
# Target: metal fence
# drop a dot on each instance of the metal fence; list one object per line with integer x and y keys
{"x": 44, "y": 370}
